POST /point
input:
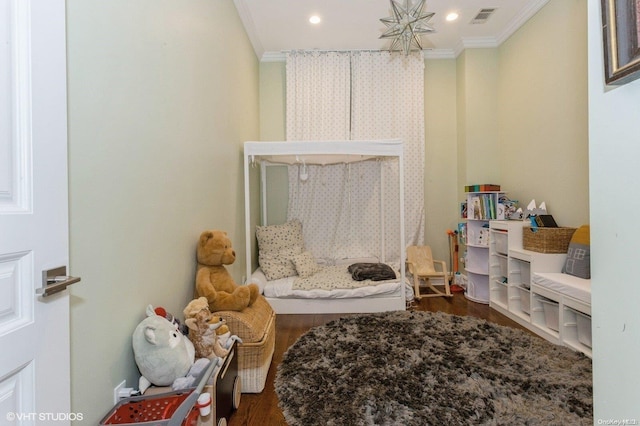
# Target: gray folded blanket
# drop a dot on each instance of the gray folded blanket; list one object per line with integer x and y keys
{"x": 371, "y": 271}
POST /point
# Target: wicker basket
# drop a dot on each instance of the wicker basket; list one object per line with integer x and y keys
{"x": 547, "y": 240}
{"x": 255, "y": 325}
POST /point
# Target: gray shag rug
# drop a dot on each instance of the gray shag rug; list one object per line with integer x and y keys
{"x": 422, "y": 368}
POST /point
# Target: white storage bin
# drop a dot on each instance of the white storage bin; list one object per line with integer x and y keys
{"x": 584, "y": 328}
{"x": 502, "y": 261}
{"x": 477, "y": 260}
{"x": 501, "y": 242}
{"x": 551, "y": 313}
{"x": 477, "y": 288}
{"x": 525, "y": 300}
{"x": 499, "y": 292}
{"x": 525, "y": 274}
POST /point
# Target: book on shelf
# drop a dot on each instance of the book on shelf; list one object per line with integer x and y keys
{"x": 485, "y": 187}
{"x": 474, "y": 208}
{"x": 462, "y": 233}
{"x": 546, "y": 220}
{"x": 482, "y": 207}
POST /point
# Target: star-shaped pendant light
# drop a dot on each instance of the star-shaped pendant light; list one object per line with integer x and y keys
{"x": 406, "y": 25}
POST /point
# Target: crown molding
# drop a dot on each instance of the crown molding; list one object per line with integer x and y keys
{"x": 249, "y": 26}
{"x": 426, "y": 54}
{"x": 439, "y": 54}
{"x": 273, "y": 57}
{"x": 479, "y": 42}
{"x": 520, "y": 20}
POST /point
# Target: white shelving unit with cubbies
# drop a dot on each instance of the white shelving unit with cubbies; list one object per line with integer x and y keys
{"x": 526, "y": 304}
{"x": 558, "y": 318}
{"x": 561, "y": 318}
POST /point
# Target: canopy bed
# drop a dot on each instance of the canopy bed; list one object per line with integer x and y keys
{"x": 298, "y": 272}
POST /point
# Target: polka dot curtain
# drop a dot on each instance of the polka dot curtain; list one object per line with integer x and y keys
{"x": 358, "y": 96}
{"x": 387, "y": 102}
{"x": 318, "y": 101}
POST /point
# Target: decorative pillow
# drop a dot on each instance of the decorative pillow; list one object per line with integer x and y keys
{"x": 278, "y": 264}
{"x": 578, "y": 261}
{"x": 305, "y": 264}
{"x": 277, "y": 237}
{"x": 277, "y": 244}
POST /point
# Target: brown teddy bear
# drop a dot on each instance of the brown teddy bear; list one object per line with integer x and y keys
{"x": 213, "y": 281}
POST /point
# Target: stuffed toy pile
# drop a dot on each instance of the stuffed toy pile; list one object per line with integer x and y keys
{"x": 165, "y": 356}
{"x": 208, "y": 333}
{"x": 213, "y": 281}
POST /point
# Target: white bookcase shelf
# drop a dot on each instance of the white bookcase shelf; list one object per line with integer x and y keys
{"x": 481, "y": 208}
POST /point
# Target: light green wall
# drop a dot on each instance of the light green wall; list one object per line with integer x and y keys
{"x": 272, "y": 101}
{"x": 441, "y": 154}
{"x": 273, "y": 128}
{"x": 478, "y": 142}
{"x": 615, "y": 294}
{"x": 162, "y": 93}
{"x": 461, "y": 135}
{"x": 543, "y": 112}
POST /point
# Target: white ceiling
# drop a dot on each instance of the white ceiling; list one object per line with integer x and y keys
{"x": 276, "y": 26}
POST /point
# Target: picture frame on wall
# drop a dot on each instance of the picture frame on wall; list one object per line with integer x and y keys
{"x": 621, "y": 37}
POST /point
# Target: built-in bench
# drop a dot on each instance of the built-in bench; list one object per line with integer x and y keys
{"x": 575, "y": 287}
{"x": 561, "y": 307}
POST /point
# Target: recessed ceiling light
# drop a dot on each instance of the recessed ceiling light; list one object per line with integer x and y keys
{"x": 315, "y": 19}
{"x": 452, "y": 16}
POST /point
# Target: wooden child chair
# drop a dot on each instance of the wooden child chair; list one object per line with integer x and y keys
{"x": 421, "y": 265}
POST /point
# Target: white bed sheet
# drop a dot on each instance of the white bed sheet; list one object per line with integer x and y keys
{"x": 283, "y": 288}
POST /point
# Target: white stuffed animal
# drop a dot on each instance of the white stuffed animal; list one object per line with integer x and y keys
{"x": 163, "y": 354}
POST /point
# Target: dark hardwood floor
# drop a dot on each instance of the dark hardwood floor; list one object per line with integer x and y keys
{"x": 262, "y": 409}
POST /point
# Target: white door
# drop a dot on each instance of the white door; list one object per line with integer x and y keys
{"x": 34, "y": 330}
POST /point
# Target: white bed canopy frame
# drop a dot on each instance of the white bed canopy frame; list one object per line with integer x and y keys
{"x": 324, "y": 153}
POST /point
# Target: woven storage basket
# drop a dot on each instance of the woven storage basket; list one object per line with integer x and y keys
{"x": 255, "y": 325}
{"x": 547, "y": 240}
